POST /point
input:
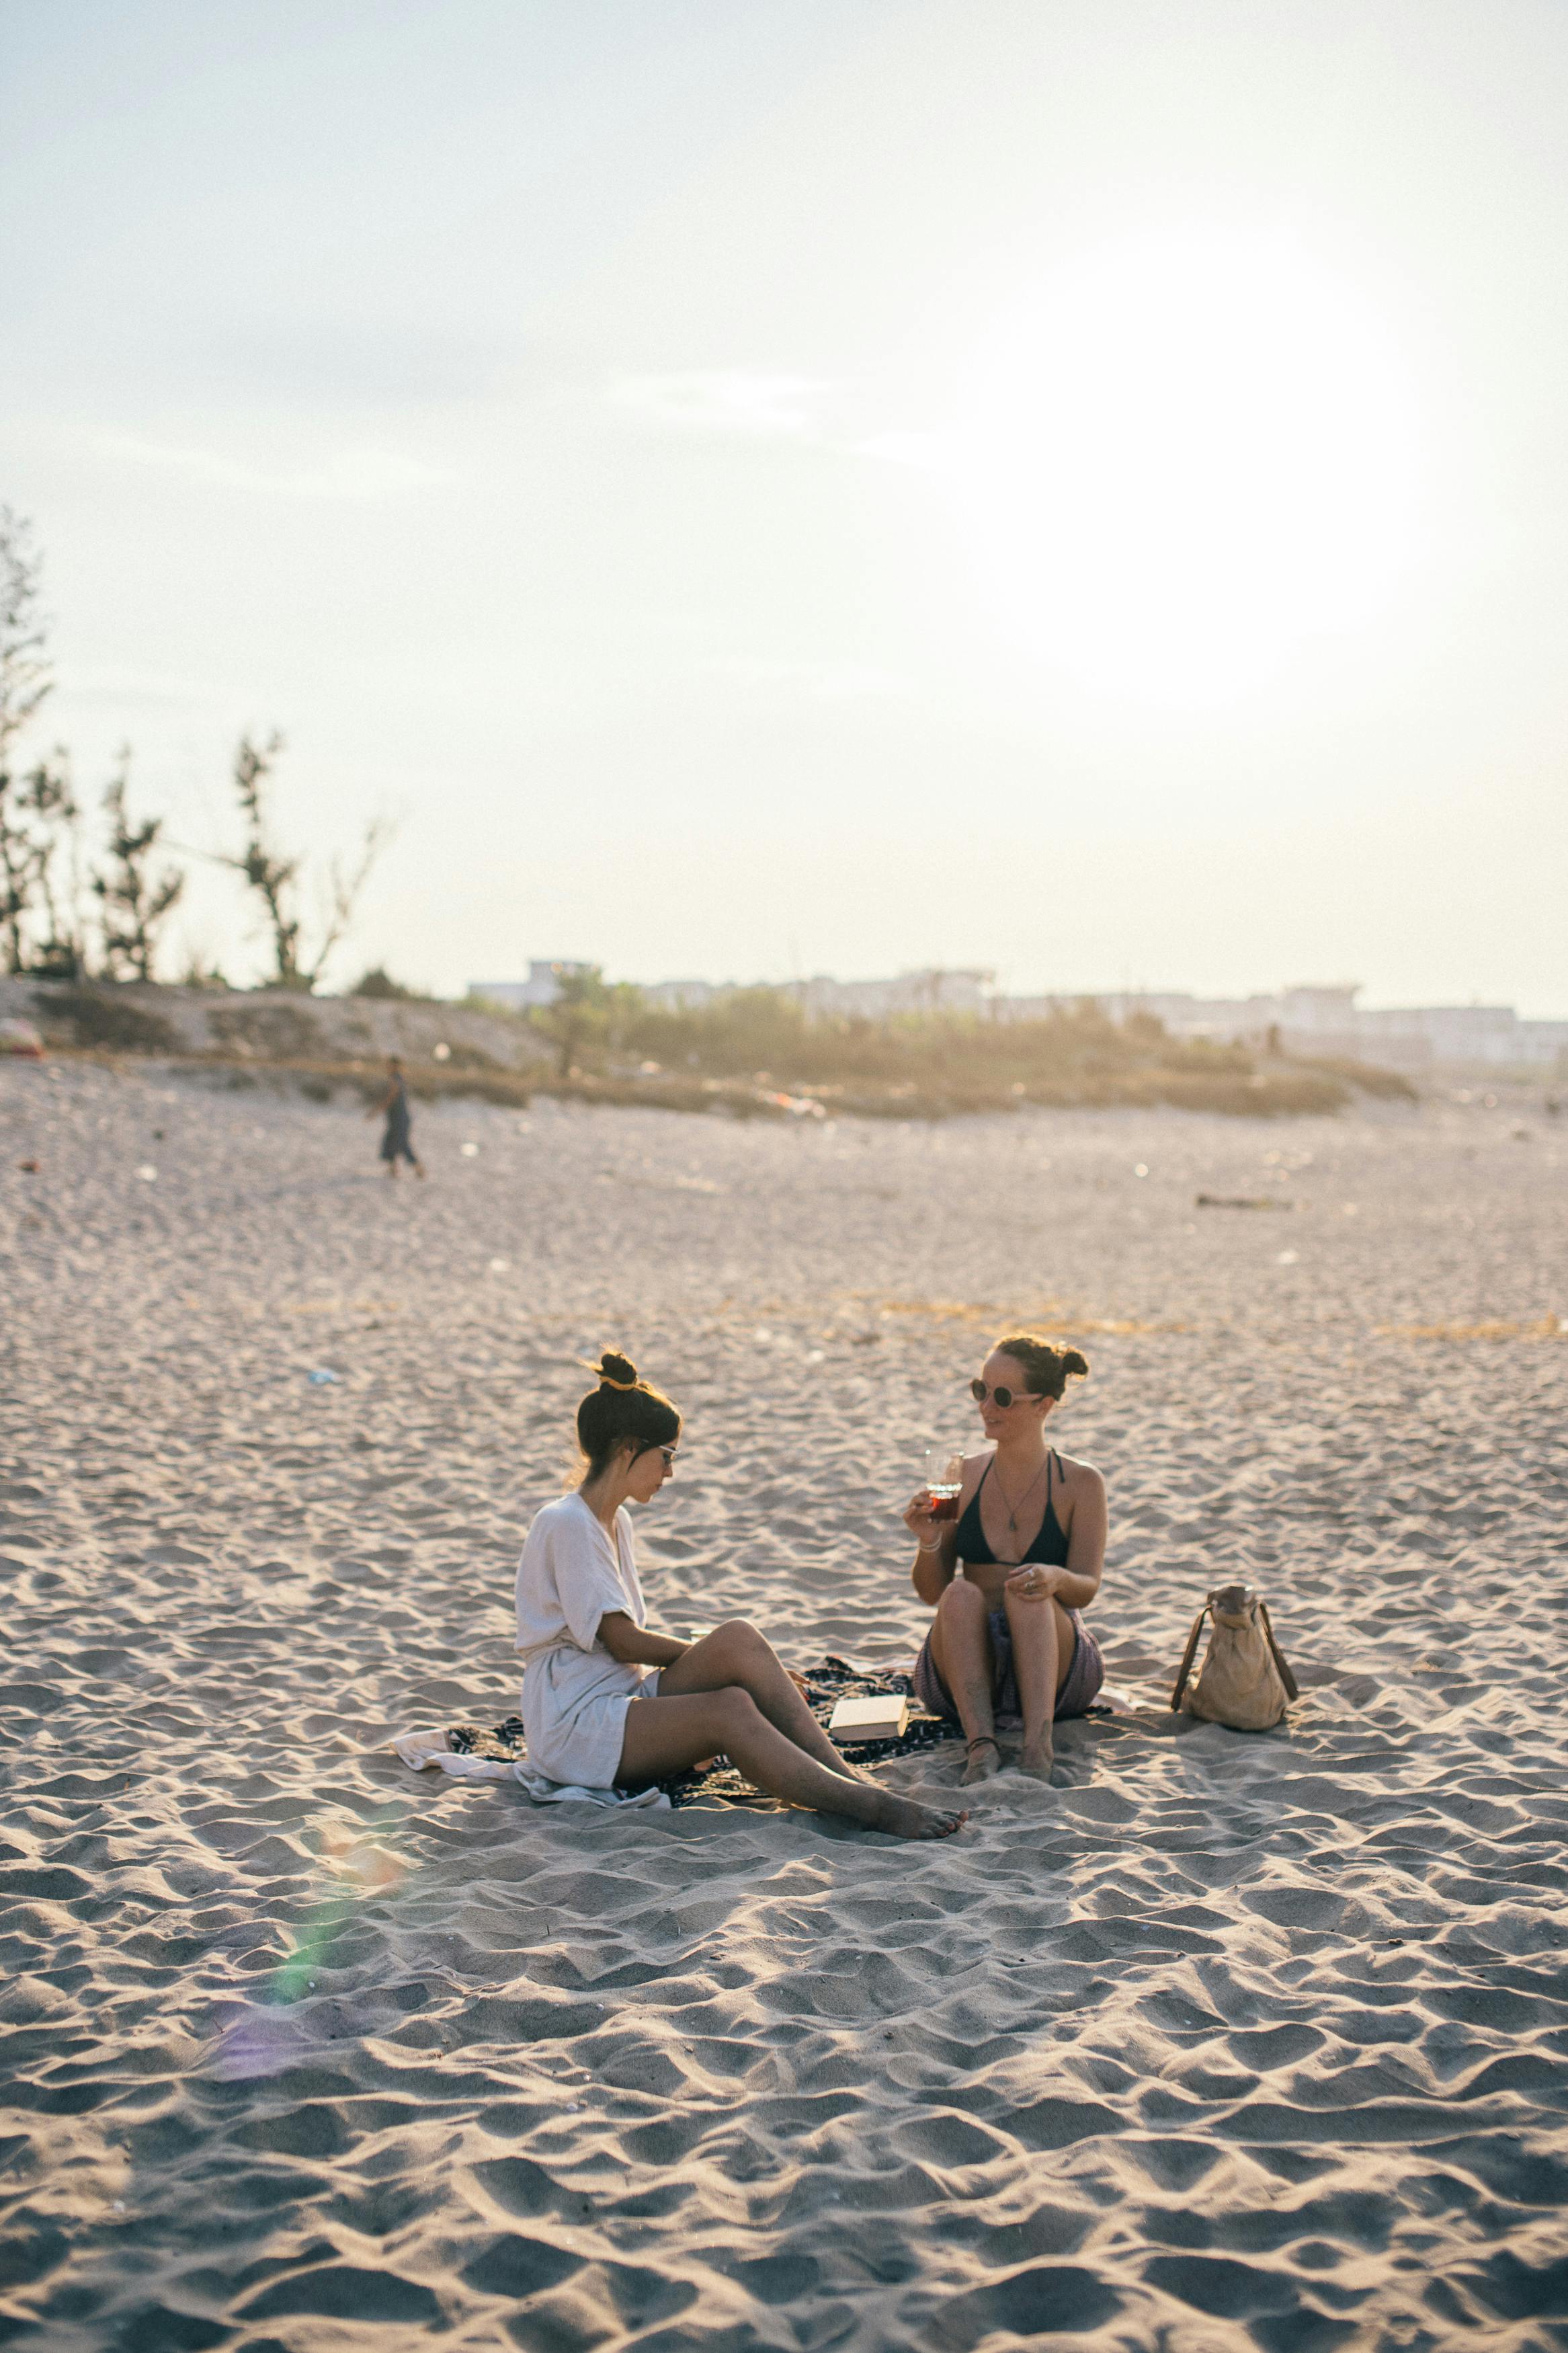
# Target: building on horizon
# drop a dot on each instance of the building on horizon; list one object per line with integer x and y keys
{"x": 934, "y": 988}
{"x": 1324, "y": 1019}
{"x": 542, "y": 986}
{"x": 1321, "y": 1019}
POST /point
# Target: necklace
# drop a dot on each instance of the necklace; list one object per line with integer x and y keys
{"x": 1013, "y": 1509}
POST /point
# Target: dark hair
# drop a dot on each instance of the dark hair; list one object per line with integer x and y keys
{"x": 1046, "y": 1370}
{"x": 622, "y": 1410}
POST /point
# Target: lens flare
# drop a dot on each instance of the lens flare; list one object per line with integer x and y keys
{"x": 265, "y": 2037}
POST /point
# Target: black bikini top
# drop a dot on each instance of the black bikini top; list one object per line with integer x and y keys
{"x": 1050, "y": 1543}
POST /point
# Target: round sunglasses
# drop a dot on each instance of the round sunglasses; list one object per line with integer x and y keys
{"x": 1004, "y": 1396}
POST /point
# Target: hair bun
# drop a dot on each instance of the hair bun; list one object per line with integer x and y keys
{"x": 1047, "y": 1368}
{"x": 616, "y": 1371}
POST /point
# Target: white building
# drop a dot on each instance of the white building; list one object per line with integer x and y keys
{"x": 542, "y": 986}
{"x": 1325, "y": 1020}
{"x": 682, "y": 996}
{"x": 935, "y": 989}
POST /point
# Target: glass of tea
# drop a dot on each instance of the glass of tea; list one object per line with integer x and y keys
{"x": 944, "y": 1481}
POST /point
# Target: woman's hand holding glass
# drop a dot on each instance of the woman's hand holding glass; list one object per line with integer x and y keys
{"x": 937, "y": 1502}
{"x": 922, "y": 1522}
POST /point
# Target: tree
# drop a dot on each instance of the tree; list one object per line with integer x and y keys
{"x": 25, "y": 681}
{"x": 25, "y": 676}
{"x": 276, "y": 879}
{"x": 49, "y": 798}
{"x": 378, "y": 982}
{"x": 135, "y": 901}
{"x": 201, "y": 972}
{"x": 586, "y": 1014}
{"x": 19, "y": 871}
{"x": 41, "y": 871}
{"x": 577, "y": 1016}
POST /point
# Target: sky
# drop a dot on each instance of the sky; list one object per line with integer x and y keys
{"x": 754, "y": 488}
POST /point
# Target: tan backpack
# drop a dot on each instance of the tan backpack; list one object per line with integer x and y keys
{"x": 1244, "y": 1680}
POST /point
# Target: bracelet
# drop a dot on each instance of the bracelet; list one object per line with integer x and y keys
{"x": 925, "y": 1547}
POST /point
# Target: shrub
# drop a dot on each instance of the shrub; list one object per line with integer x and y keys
{"x": 272, "y": 1030}
{"x": 1367, "y": 1078}
{"x": 101, "y": 1016}
{"x": 378, "y": 982}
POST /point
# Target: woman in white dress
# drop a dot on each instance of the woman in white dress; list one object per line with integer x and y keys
{"x": 609, "y": 1700}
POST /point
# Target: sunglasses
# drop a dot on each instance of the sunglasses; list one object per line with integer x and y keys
{"x": 1003, "y": 1395}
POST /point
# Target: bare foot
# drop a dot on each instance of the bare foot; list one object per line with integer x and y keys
{"x": 1036, "y": 1758}
{"x": 905, "y": 1819}
{"x": 984, "y": 1759}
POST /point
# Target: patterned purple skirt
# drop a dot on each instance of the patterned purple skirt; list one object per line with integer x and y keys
{"x": 1084, "y": 1677}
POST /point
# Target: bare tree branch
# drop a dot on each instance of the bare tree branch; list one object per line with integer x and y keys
{"x": 346, "y": 892}
{"x": 24, "y": 672}
{"x": 48, "y": 799}
{"x": 135, "y": 902}
{"x": 25, "y": 681}
{"x": 276, "y": 879}
{"x": 20, "y": 859}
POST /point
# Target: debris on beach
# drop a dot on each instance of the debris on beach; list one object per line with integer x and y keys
{"x": 20, "y": 1038}
{"x": 1239, "y": 1201}
{"x": 794, "y": 1106}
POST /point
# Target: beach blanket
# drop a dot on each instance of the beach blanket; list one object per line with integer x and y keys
{"x": 466, "y": 1754}
{"x": 472, "y": 1752}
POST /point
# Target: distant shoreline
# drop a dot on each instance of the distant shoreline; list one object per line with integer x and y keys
{"x": 904, "y": 1069}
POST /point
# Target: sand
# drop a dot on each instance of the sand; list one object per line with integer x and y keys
{"x": 1222, "y": 2043}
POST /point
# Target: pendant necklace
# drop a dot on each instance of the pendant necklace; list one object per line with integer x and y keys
{"x": 1013, "y": 1509}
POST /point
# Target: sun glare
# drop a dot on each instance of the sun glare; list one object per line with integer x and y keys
{"x": 1182, "y": 458}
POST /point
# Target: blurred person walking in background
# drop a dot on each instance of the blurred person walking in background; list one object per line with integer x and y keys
{"x": 397, "y": 1138}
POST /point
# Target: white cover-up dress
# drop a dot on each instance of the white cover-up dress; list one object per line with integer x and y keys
{"x": 574, "y": 1695}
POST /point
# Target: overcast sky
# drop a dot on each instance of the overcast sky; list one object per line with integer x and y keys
{"x": 760, "y": 487}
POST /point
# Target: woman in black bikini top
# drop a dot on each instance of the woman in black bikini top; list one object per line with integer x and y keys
{"x": 1009, "y": 1578}
{"x": 1049, "y": 1544}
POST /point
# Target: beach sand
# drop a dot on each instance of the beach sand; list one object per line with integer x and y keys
{"x": 1223, "y": 2043}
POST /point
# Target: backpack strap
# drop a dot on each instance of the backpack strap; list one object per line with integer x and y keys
{"x": 1286, "y": 1677}
{"x": 1187, "y": 1666}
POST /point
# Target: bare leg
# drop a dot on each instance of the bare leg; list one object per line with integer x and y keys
{"x": 665, "y": 1735}
{"x": 1043, "y": 1639}
{"x": 736, "y": 1653}
{"x": 961, "y": 1645}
